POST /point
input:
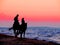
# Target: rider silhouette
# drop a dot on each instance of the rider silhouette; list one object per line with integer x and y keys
{"x": 16, "y": 22}
{"x": 23, "y": 23}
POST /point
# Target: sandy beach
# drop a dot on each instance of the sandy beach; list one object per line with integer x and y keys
{"x": 11, "y": 40}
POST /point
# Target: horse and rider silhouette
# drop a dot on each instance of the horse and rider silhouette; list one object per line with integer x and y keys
{"x": 19, "y": 28}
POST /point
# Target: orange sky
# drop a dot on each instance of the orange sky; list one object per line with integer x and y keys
{"x": 43, "y": 12}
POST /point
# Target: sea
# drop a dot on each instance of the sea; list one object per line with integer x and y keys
{"x": 38, "y": 33}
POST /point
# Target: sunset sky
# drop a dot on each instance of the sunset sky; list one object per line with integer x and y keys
{"x": 35, "y": 12}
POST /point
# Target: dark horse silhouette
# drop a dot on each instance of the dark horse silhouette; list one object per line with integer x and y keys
{"x": 17, "y": 28}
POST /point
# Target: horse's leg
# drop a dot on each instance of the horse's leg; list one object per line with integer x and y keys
{"x": 21, "y": 35}
{"x": 15, "y": 33}
{"x": 24, "y": 34}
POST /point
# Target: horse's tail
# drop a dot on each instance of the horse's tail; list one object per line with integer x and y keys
{"x": 10, "y": 28}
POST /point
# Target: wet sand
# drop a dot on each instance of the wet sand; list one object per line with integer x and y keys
{"x": 11, "y": 40}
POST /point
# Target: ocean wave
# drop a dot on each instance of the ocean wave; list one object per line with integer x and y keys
{"x": 39, "y": 33}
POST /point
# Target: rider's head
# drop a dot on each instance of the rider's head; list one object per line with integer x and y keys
{"x": 22, "y": 18}
{"x": 17, "y": 15}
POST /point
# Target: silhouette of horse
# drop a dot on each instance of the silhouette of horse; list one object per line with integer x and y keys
{"x": 19, "y": 30}
{"x": 22, "y": 30}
